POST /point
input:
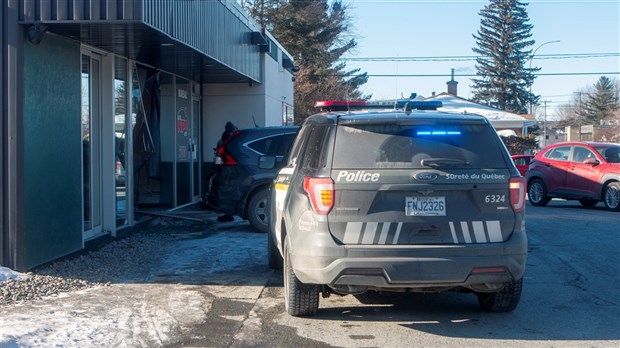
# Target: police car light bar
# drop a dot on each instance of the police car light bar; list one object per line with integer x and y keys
{"x": 405, "y": 105}
{"x": 340, "y": 105}
{"x": 408, "y": 105}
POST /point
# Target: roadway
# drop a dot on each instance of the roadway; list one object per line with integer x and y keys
{"x": 214, "y": 289}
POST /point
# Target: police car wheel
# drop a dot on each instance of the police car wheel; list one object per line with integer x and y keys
{"x": 537, "y": 193}
{"x": 504, "y": 300}
{"x": 273, "y": 254}
{"x": 611, "y": 197}
{"x": 257, "y": 210}
{"x": 300, "y": 299}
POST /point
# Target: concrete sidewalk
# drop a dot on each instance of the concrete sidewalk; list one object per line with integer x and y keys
{"x": 224, "y": 265}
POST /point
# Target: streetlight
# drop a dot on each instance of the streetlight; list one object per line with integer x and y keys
{"x": 530, "y": 70}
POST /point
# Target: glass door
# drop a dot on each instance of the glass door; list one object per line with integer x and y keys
{"x": 184, "y": 152}
{"x": 91, "y": 144}
{"x": 195, "y": 147}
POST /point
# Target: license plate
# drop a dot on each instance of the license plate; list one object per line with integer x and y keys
{"x": 425, "y": 206}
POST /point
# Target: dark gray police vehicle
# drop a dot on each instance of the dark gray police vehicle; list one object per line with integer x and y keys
{"x": 403, "y": 199}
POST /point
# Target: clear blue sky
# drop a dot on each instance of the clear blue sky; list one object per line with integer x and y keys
{"x": 418, "y": 28}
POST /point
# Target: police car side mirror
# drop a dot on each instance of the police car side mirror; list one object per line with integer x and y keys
{"x": 267, "y": 162}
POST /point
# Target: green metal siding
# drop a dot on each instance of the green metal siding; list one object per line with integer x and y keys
{"x": 209, "y": 26}
{"x": 52, "y": 150}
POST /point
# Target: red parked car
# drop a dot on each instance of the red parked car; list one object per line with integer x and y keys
{"x": 588, "y": 172}
{"x": 522, "y": 162}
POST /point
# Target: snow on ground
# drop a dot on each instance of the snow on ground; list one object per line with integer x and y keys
{"x": 7, "y": 273}
{"x": 176, "y": 296}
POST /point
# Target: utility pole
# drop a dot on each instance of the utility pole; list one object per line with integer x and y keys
{"x": 545, "y": 126}
{"x": 530, "y": 71}
{"x": 579, "y": 111}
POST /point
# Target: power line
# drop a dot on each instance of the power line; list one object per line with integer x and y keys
{"x": 432, "y": 2}
{"x": 556, "y": 96}
{"x": 472, "y": 58}
{"x": 462, "y": 75}
{"x": 579, "y": 73}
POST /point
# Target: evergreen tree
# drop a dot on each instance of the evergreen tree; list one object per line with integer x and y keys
{"x": 601, "y": 102}
{"x": 316, "y": 35}
{"x": 503, "y": 46}
{"x": 262, "y": 10}
{"x": 591, "y": 104}
{"x": 120, "y": 99}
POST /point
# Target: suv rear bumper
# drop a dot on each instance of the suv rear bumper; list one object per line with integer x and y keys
{"x": 322, "y": 261}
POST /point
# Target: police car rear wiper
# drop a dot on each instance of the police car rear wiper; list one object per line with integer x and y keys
{"x": 443, "y": 162}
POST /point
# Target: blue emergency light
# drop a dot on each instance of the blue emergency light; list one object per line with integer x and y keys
{"x": 437, "y": 133}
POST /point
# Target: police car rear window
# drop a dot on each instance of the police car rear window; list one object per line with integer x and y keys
{"x": 454, "y": 145}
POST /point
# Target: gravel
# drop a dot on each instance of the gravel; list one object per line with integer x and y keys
{"x": 125, "y": 260}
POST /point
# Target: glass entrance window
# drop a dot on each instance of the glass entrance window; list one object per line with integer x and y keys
{"x": 120, "y": 139}
{"x": 165, "y": 138}
{"x": 152, "y": 138}
{"x": 91, "y": 143}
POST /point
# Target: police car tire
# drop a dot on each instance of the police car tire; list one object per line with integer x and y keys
{"x": 274, "y": 258}
{"x": 504, "y": 300}
{"x": 300, "y": 299}
{"x": 537, "y": 193}
{"x": 611, "y": 196}
{"x": 257, "y": 210}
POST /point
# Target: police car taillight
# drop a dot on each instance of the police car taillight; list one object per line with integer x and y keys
{"x": 321, "y": 193}
{"x": 517, "y": 194}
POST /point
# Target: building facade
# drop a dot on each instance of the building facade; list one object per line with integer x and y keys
{"x": 111, "y": 108}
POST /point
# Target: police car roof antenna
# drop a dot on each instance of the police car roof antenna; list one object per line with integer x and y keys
{"x": 254, "y": 120}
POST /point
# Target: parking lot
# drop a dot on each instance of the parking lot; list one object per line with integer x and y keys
{"x": 221, "y": 293}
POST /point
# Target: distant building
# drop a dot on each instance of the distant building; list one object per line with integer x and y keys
{"x": 554, "y": 134}
{"x": 501, "y": 120}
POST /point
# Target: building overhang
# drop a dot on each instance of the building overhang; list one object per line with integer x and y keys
{"x": 140, "y": 42}
{"x": 206, "y": 41}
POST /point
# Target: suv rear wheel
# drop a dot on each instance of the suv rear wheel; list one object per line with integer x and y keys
{"x": 504, "y": 300}
{"x": 257, "y": 210}
{"x": 611, "y": 197}
{"x": 537, "y": 193}
{"x": 300, "y": 299}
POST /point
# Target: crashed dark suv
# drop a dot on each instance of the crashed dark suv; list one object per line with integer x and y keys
{"x": 406, "y": 199}
{"x": 238, "y": 186}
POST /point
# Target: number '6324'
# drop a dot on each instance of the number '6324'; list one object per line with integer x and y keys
{"x": 495, "y": 198}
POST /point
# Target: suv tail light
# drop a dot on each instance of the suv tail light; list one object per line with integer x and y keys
{"x": 223, "y": 156}
{"x": 517, "y": 194}
{"x": 321, "y": 193}
{"x": 119, "y": 168}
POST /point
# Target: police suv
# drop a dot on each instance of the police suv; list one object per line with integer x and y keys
{"x": 397, "y": 198}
